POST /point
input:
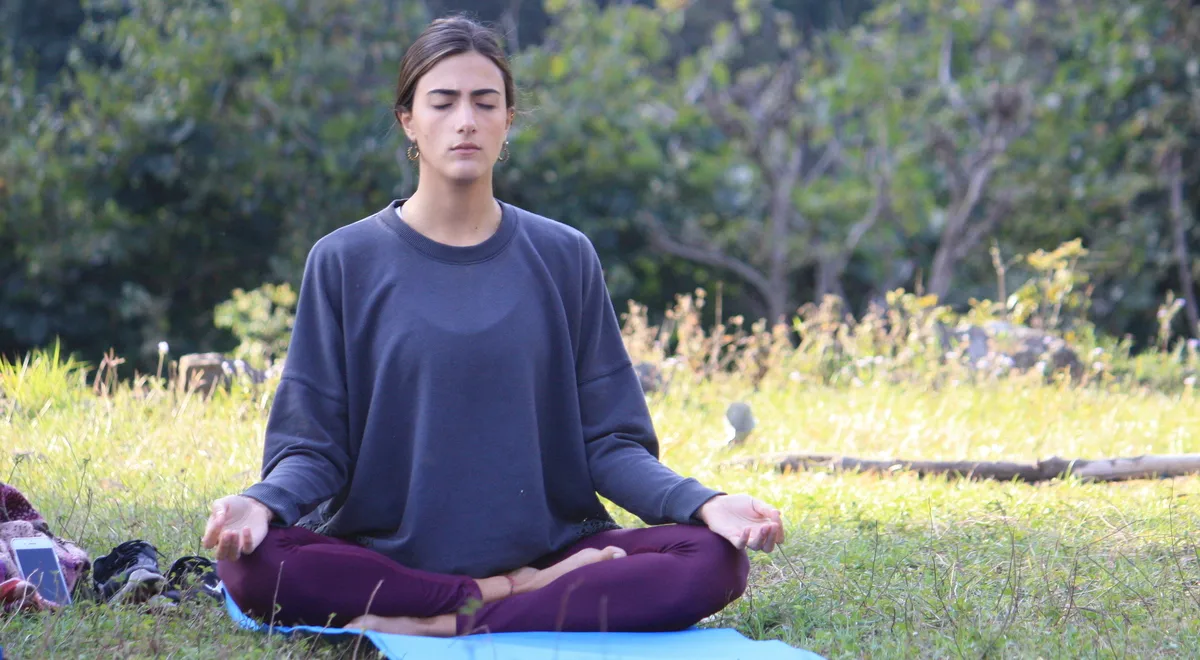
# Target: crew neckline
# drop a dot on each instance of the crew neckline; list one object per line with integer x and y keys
{"x": 455, "y": 254}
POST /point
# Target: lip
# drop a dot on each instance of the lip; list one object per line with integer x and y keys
{"x": 468, "y": 147}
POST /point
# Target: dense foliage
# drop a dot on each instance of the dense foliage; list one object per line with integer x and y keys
{"x": 160, "y": 155}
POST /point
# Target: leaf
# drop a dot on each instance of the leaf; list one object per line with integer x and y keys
{"x": 558, "y": 67}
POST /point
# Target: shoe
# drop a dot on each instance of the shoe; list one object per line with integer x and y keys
{"x": 18, "y": 595}
{"x": 129, "y": 574}
{"x": 193, "y": 576}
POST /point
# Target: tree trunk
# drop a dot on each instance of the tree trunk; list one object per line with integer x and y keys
{"x": 941, "y": 272}
{"x": 771, "y": 287}
{"x": 777, "y": 305}
{"x": 780, "y": 229}
{"x": 829, "y": 277}
{"x": 1174, "y": 171}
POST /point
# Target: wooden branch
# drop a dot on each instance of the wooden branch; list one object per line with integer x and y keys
{"x": 1105, "y": 469}
{"x": 946, "y": 82}
{"x": 775, "y": 102}
{"x": 828, "y": 157}
{"x": 781, "y": 208}
{"x": 945, "y": 151}
{"x": 697, "y": 88}
{"x": 833, "y": 266}
{"x": 962, "y": 211}
{"x": 734, "y": 127}
{"x": 662, "y": 240}
{"x": 998, "y": 208}
{"x": 880, "y": 174}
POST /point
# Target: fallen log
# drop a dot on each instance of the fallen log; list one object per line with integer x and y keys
{"x": 1103, "y": 469}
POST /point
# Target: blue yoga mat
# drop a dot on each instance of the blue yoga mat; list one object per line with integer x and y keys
{"x": 692, "y": 644}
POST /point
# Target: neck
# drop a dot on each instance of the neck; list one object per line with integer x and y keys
{"x": 456, "y": 214}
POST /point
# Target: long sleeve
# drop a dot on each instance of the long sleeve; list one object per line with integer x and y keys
{"x": 622, "y": 446}
{"x": 305, "y": 455}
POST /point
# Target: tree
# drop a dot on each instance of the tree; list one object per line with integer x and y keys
{"x": 979, "y": 74}
{"x": 824, "y": 167}
{"x": 1104, "y": 164}
{"x": 1168, "y": 123}
{"x": 228, "y": 138}
{"x": 596, "y": 135}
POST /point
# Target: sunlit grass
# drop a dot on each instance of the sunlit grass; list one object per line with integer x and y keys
{"x": 873, "y": 566}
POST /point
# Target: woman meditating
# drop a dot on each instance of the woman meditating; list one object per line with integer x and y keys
{"x": 455, "y": 397}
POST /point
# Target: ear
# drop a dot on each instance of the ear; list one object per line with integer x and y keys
{"x": 405, "y": 118}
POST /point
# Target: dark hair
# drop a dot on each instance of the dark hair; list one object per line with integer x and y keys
{"x": 444, "y": 38}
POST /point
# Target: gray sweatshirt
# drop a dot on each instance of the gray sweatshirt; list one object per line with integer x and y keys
{"x": 459, "y": 408}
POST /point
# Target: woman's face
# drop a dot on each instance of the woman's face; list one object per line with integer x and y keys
{"x": 459, "y": 118}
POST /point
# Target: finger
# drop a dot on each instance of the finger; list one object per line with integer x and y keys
{"x": 760, "y": 536}
{"x": 768, "y": 541}
{"x": 247, "y": 541}
{"x": 751, "y": 538}
{"x": 767, "y": 510}
{"x": 215, "y": 521}
{"x": 743, "y": 539}
{"x": 769, "y": 537}
{"x": 223, "y": 546}
{"x": 229, "y": 545}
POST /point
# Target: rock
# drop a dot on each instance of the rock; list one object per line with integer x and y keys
{"x": 200, "y": 371}
{"x": 739, "y": 423}
{"x": 1000, "y": 346}
{"x": 203, "y": 372}
{"x": 650, "y": 376}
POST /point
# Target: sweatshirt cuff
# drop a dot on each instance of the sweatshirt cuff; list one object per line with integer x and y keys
{"x": 278, "y": 500}
{"x": 685, "y": 499}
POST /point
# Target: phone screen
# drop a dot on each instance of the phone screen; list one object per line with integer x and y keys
{"x": 40, "y": 568}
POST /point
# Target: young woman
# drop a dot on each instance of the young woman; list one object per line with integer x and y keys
{"x": 456, "y": 394}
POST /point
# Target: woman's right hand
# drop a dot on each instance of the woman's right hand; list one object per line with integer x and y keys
{"x": 236, "y": 526}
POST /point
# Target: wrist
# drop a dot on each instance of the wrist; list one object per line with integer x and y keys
{"x": 262, "y": 509}
{"x": 703, "y": 511}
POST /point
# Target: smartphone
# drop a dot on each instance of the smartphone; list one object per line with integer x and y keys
{"x": 39, "y": 566}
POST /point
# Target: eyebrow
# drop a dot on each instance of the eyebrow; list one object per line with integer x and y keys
{"x": 453, "y": 92}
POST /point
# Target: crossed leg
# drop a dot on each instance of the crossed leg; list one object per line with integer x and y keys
{"x": 671, "y": 577}
{"x": 299, "y": 577}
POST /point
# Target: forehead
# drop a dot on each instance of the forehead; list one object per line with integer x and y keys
{"x": 463, "y": 72}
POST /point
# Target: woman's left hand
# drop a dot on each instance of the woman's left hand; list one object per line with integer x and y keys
{"x": 744, "y": 521}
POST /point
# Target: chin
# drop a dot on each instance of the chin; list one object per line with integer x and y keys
{"x": 465, "y": 173}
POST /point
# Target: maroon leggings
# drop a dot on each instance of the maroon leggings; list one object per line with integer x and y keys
{"x": 673, "y": 576}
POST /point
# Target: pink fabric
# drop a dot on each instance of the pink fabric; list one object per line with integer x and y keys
{"x": 18, "y": 519}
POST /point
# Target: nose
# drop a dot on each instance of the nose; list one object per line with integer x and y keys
{"x": 466, "y": 118}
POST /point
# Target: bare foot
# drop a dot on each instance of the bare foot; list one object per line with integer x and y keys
{"x": 524, "y": 580}
{"x": 436, "y": 626}
{"x": 530, "y": 579}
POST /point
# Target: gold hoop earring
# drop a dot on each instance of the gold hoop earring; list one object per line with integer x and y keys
{"x": 504, "y": 152}
{"x": 413, "y": 155}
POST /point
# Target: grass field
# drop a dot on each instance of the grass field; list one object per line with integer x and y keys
{"x": 873, "y": 566}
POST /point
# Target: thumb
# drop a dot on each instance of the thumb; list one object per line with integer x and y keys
{"x": 738, "y": 537}
{"x": 743, "y": 538}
